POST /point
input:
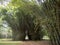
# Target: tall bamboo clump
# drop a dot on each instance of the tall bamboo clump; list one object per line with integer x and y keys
{"x": 51, "y": 9}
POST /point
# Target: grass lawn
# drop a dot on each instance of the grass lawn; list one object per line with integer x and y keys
{"x": 10, "y": 42}
{"x": 7, "y": 42}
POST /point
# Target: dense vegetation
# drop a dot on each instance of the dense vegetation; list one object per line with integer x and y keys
{"x": 37, "y": 18}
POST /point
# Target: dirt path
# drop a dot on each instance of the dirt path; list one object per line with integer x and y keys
{"x": 36, "y": 43}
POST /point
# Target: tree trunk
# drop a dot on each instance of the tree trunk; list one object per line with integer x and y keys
{"x": 35, "y": 35}
{"x": 18, "y": 35}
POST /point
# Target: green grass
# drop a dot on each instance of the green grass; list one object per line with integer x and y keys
{"x": 7, "y": 42}
{"x": 5, "y": 39}
{"x": 10, "y": 42}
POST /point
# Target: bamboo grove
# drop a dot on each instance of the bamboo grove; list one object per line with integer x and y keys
{"x": 30, "y": 15}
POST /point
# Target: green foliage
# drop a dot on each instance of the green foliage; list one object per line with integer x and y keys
{"x": 22, "y": 15}
{"x": 27, "y": 15}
